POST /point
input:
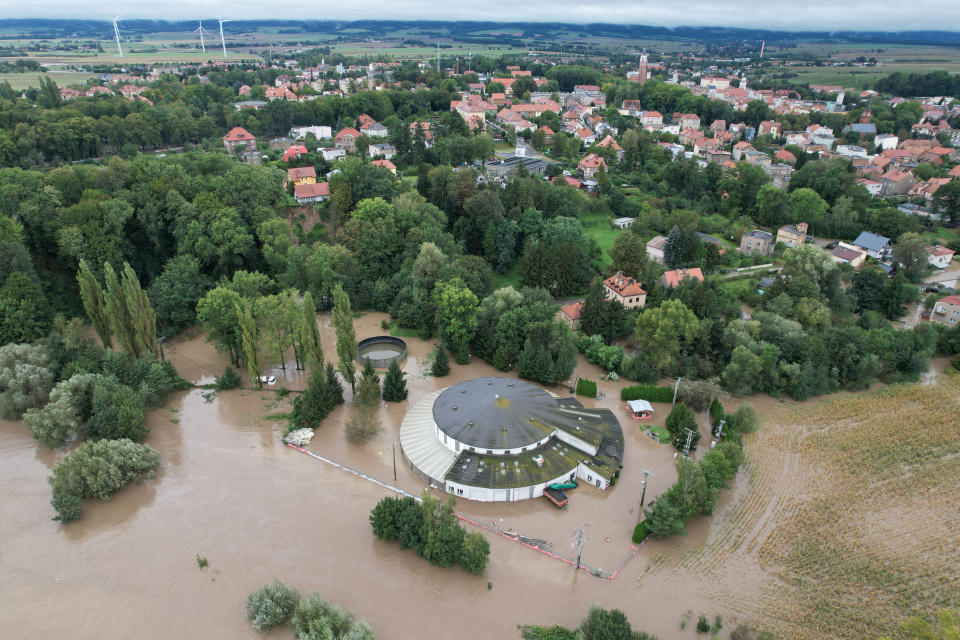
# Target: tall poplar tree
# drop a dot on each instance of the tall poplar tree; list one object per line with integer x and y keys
{"x": 119, "y": 312}
{"x": 346, "y": 336}
{"x": 93, "y": 303}
{"x": 142, "y": 318}
{"x": 251, "y": 341}
{"x": 310, "y": 335}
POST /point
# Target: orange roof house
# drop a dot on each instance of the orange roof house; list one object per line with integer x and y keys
{"x": 625, "y": 290}
{"x": 237, "y": 137}
{"x": 673, "y": 278}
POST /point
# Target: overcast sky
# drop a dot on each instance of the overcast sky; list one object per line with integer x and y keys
{"x": 819, "y": 15}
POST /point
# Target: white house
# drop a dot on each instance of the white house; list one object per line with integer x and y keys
{"x": 623, "y": 223}
{"x": 655, "y": 249}
{"x": 886, "y": 141}
{"x": 332, "y": 154}
{"x": 939, "y": 257}
{"x": 851, "y": 151}
{"x": 877, "y": 247}
{"x": 319, "y": 132}
{"x": 872, "y": 187}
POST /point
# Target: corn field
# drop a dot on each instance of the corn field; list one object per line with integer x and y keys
{"x": 852, "y": 514}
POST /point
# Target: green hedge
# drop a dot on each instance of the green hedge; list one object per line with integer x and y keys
{"x": 647, "y": 392}
{"x": 586, "y": 388}
{"x": 640, "y": 532}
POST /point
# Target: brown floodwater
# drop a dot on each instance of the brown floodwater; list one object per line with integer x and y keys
{"x": 230, "y": 491}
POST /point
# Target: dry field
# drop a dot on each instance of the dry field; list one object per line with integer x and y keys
{"x": 851, "y": 512}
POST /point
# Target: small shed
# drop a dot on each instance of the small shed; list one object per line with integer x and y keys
{"x": 623, "y": 223}
{"x": 640, "y": 409}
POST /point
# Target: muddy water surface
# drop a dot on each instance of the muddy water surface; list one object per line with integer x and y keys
{"x": 230, "y": 491}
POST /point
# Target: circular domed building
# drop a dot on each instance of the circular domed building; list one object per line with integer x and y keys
{"x": 500, "y": 439}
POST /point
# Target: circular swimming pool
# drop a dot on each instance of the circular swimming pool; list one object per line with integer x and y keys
{"x": 381, "y": 351}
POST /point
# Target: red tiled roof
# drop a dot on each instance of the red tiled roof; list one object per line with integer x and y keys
{"x": 610, "y": 142}
{"x": 939, "y": 251}
{"x": 624, "y": 286}
{"x": 348, "y": 132}
{"x": 238, "y": 134}
{"x": 301, "y": 172}
{"x": 572, "y": 311}
{"x": 386, "y": 164}
{"x": 592, "y": 161}
{"x": 950, "y": 300}
{"x": 312, "y": 190}
{"x": 673, "y": 278}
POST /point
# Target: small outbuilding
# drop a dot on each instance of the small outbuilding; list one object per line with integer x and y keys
{"x": 640, "y": 409}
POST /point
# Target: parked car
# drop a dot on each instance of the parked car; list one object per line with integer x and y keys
{"x": 268, "y": 379}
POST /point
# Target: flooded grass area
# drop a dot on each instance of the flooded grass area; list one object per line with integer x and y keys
{"x": 228, "y": 490}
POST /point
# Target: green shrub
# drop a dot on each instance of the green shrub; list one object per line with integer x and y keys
{"x": 229, "y": 380}
{"x": 98, "y": 470}
{"x": 586, "y": 388}
{"x": 475, "y": 552}
{"x": 314, "y": 617}
{"x": 441, "y": 363}
{"x": 640, "y": 532}
{"x": 703, "y": 625}
{"x": 646, "y": 392}
{"x": 271, "y": 606}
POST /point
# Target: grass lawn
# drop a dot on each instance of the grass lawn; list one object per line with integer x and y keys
{"x": 397, "y": 332}
{"x": 662, "y": 434}
{"x": 941, "y": 233}
{"x": 509, "y": 279}
{"x": 21, "y": 81}
{"x": 598, "y": 227}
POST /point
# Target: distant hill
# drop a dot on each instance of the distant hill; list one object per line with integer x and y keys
{"x": 43, "y": 28}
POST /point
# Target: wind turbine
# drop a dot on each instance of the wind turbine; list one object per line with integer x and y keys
{"x": 116, "y": 32}
{"x": 200, "y": 31}
{"x": 222, "y": 41}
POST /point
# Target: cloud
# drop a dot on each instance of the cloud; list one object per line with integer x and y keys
{"x": 811, "y": 15}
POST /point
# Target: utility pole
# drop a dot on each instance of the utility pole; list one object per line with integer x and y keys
{"x": 675, "y": 389}
{"x": 394, "y": 447}
{"x": 686, "y": 447}
{"x": 720, "y": 430}
{"x": 643, "y": 494}
{"x": 581, "y": 537}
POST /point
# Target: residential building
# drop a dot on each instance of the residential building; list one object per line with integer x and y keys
{"x": 757, "y": 242}
{"x": 383, "y": 149}
{"x": 655, "y": 249}
{"x": 239, "y": 137}
{"x": 332, "y": 154}
{"x": 771, "y": 127}
{"x": 590, "y": 165}
{"x": 610, "y": 143}
{"x": 872, "y": 187}
{"x": 302, "y": 175}
{"x": 877, "y": 247}
{"x": 571, "y": 315}
{"x": 673, "y": 278}
{"x": 625, "y": 290}
{"x": 846, "y": 254}
{"x": 319, "y": 132}
{"x": 939, "y": 257}
{"x": 347, "y": 140}
{"x": 310, "y": 193}
{"x": 651, "y": 119}
{"x": 946, "y": 311}
{"x": 779, "y": 174}
{"x": 622, "y": 223}
{"x": 793, "y": 236}
{"x": 385, "y": 164}
{"x": 687, "y": 120}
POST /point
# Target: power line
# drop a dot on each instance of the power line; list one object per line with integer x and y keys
{"x": 580, "y": 536}
{"x": 643, "y": 494}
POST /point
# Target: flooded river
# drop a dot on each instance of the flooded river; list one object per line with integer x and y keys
{"x": 230, "y": 491}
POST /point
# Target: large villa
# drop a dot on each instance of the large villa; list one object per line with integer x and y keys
{"x": 501, "y": 439}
